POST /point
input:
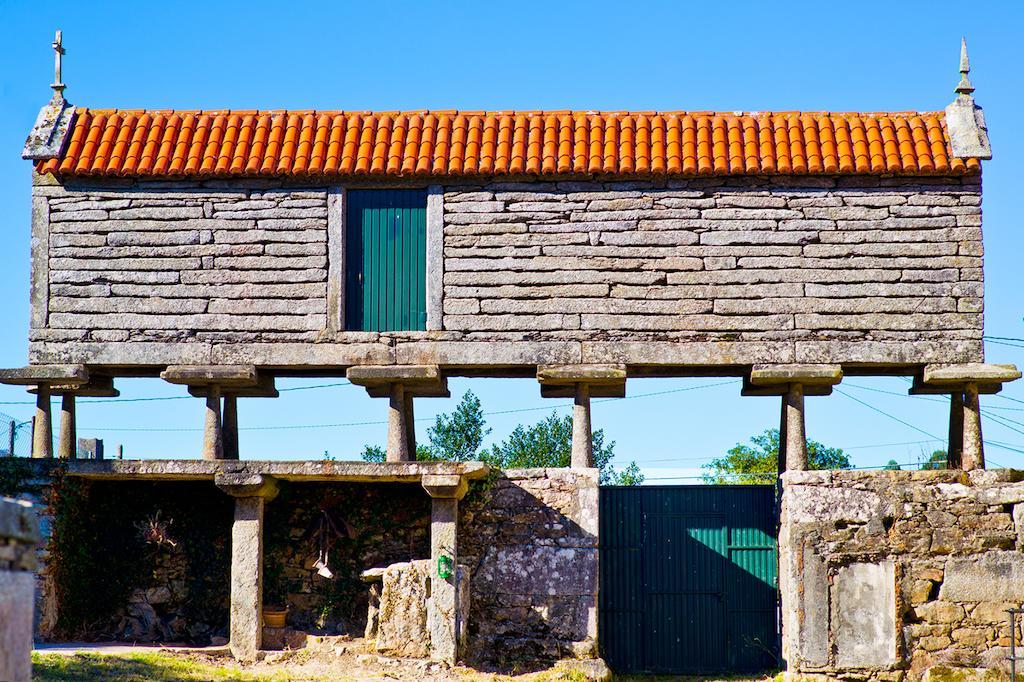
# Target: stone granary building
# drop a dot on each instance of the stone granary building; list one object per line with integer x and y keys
{"x": 222, "y": 249}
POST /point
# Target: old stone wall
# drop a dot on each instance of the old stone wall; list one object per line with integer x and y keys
{"x": 19, "y": 536}
{"x": 530, "y": 541}
{"x": 708, "y": 271}
{"x": 900, "y": 575}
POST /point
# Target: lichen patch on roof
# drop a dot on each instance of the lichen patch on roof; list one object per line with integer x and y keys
{"x": 222, "y": 144}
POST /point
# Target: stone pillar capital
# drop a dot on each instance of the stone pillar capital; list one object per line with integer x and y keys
{"x": 445, "y": 485}
{"x": 247, "y": 485}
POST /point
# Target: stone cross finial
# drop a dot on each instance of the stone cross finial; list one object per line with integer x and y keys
{"x": 58, "y": 49}
{"x": 964, "y": 87}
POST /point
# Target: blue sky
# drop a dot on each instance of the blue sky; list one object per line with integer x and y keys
{"x": 542, "y": 55}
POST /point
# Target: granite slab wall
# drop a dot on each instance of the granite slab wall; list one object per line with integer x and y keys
{"x": 710, "y": 271}
{"x": 892, "y": 575}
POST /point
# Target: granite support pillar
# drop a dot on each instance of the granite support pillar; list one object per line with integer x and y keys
{"x": 973, "y": 454}
{"x": 447, "y": 633}
{"x": 582, "y": 435}
{"x": 67, "y": 442}
{"x": 42, "y": 433}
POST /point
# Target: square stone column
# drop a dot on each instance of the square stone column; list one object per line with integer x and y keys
{"x": 964, "y": 383}
{"x": 792, "y": 383}
{"x": 446, "y": 632}
{"x": 210, "y": 382}
{"x": 96, "y": 387}
{"x": 400, "y": 384}
{"x": 581, "y": 383}
{"x": 251, "y": 493}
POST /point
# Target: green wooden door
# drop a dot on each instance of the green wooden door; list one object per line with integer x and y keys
{"x": 688, "y": 579}
{"x": 386, "y": 260}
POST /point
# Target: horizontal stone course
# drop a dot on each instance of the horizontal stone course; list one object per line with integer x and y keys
{"x": 832, "y": 261}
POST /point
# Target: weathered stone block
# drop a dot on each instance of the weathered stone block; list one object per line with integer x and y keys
{"x": 990, "y": 577}
{"x": 864, "y": 615}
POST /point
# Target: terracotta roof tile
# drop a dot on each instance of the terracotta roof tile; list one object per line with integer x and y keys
{"x": 452, "y": 143}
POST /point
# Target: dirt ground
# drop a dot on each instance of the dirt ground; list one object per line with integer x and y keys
{"x": 330, "y": 659}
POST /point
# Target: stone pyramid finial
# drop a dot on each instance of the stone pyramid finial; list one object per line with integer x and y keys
{"x": 964, "y": 87}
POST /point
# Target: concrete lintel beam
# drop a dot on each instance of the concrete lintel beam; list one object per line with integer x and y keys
{"x": 807, "y": 375}
{"x": 96, "y": 387}
{"x": 445, "y": 485}
{"x": 972, "y": 373}
{"x": 775, "y": 390}
{"x": 33, "y": 375}
{"x": 920, "y": 388}
{"x": 225, "y": 376}
{"x": 379, "y": 375}
{"x": 264, "y": 388}
{"x": 247, "y": 485}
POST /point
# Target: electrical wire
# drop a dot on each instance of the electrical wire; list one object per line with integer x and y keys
{"x": 289, "y": 427}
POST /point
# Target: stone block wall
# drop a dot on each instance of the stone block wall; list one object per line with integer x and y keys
{"x": 712, "y": 271}
{"x": 817, "y": 269}
{"x": 19, "y": 537}
{"x": 530, "y": 541}
{"x": 900, "y": 575}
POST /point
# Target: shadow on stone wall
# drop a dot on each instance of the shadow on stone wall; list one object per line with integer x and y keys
{"x": 367, "y": 526}
{"x": 139, "y": 561}
{"x": 529, "y": 538}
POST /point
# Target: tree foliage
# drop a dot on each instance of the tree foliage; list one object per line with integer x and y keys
{"x": 938, "y": 460}
{"x": 458, "y": 436}
{"x": 759, "y": 462}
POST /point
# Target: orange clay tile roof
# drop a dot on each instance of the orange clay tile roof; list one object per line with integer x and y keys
{"x": 515, "y": 143}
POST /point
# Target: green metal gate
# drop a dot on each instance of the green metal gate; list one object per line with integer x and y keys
{"x": 688, "y": 579}
{"x": 386, "y": 260}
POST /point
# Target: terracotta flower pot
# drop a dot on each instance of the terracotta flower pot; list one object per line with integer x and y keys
{"x": 274, "y": 616}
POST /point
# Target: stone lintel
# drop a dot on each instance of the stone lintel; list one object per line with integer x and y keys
{"x": 301, "y": 471}
{"x": 225, "y": 376}
{"x": 750, "y": 390}
{"x": 596, "y": 390}
{"x": 919, "y": 388}
{"x": 377, "y": 375}
{"x": 973, "y": 373}
{"x": 445, "y": 485}
{"x": 437, "y": 389}
{"x": 587, "y": 374}
{"x": 247, "y": 485}
{"x": 33, "y": 375}
{"x": 96, "y": 387}
{"x": 264, "y": 388}
{"x": 559, "y": 381}
{"x": 807, "y": 375}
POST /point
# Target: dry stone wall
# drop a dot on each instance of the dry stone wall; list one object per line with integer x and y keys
{"x": 900, "y": 575}
{"x": 530, "y": 541}
{"x": 867, "y": 269}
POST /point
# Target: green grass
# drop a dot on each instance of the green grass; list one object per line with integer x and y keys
{"x": 140, "y": 667}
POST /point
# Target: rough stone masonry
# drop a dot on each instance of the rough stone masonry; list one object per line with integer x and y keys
{"x": 892, "y": 575}
{"x": 19, "y": 537}
{"x": 708, "y": 271}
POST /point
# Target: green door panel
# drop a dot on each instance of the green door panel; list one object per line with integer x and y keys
{"x": 386, "y": 260}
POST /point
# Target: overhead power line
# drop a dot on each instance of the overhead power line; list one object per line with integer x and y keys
{"x": 421, "y": 419}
